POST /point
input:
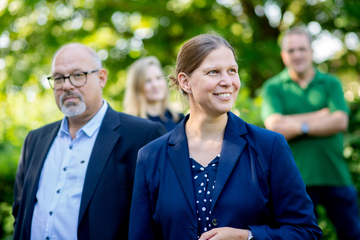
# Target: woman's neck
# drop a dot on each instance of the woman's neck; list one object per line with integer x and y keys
{"x": 205, "y": 137}
{"x": 154, "y": 109}
{"x": 206, "y": 127}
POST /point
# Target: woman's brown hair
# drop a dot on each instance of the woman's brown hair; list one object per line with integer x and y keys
{"x": 193, "y": 52}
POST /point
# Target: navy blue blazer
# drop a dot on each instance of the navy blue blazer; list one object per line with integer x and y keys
{"x": 258, "y": 187}
{"x": 105, "y": 201}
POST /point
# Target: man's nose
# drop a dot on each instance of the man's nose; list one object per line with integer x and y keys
{"x": 297, "y": 53}
{"x": 67, "y": 84}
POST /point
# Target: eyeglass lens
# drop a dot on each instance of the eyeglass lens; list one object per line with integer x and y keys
{"x": 76, "y": 79}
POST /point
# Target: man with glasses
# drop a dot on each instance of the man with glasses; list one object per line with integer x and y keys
{"x": 75, "y": 176}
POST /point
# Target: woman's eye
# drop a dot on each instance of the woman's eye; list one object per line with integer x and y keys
{"x": 213, "y": 72}
{"x": 233, "y": 71}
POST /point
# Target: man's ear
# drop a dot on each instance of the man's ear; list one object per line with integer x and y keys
{"x": 184, "y": 82}
{"x": 284, "y": 57}
{"x": 102, "y": 77}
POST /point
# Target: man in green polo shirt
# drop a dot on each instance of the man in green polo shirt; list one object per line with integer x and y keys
{"x": 309, "y": 109}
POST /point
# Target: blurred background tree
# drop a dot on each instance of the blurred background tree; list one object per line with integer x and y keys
{"x": 123, "y": 30}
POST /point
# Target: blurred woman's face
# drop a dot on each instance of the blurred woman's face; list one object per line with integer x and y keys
{"x": 215, "y": 84}
{"x": 155, "y": 88}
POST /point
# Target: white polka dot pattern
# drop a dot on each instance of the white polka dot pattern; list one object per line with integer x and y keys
{"x": 204, "y": 182}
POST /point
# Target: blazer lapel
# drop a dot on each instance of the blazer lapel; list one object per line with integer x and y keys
{"x": 35, "y": 168}
{"x": 102, "y": 149}
{"x": 179, "y": 156}
{"x": 41, "y": 153}
{"x": 231, "y": 149}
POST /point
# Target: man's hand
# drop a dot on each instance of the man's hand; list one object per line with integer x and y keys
{"x": 321, "y": 123}
{"x": 284, "y": 124}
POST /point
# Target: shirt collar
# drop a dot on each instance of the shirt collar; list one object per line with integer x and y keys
{"x": 284, "y": 75}
{"x": 89, "y": 128}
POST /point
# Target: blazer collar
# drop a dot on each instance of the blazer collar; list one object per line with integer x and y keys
{"x": 103, "y": 146}
{"x": 232, "y": 146}
{"x": 178, "y": 152}
{"x": 35, "y": 169}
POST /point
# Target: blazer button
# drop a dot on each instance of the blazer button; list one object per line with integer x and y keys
{"x": 214, "y": 222}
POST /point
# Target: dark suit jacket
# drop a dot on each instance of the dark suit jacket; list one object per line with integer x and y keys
{"x": 258, "y": 186}
{"x": 105, "y": 202}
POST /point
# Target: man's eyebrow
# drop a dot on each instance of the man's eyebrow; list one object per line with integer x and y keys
{"x": 55, "y": 74}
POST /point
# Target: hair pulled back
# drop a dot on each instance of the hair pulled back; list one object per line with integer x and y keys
{"x": 193, "y": 53}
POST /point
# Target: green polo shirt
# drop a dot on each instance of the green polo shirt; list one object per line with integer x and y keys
{"x": 319, "y": 159}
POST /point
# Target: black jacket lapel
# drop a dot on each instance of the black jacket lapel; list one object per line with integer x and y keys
{"x": 102, "y": 149}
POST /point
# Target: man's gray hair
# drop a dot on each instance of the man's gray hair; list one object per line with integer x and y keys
{"x": 299, "y": 31}
{"x": 94, "y": 55}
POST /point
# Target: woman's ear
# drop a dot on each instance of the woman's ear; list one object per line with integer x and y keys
{"x": 184, "y": 82}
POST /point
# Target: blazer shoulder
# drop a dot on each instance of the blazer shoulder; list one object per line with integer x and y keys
{"x": 261, "y": 135}
{"x": 154, "y": 150}
{"x": 140, "y": 130}
{"x": 250, "y": 131}
{"x": 158, "y": 143}
{"x": 44, "y": 130}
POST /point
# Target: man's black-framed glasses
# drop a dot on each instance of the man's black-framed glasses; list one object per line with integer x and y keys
{"x": 77, "y": 79}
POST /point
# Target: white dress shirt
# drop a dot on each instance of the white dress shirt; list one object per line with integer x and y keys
{"x": 61, "y": 181}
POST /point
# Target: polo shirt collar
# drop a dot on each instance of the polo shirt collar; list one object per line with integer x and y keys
{"x": 89, "y": 128}
{"x": 284, "y": 75}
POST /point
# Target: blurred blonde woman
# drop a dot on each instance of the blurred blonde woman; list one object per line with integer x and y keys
{"x": 147, "y": 93}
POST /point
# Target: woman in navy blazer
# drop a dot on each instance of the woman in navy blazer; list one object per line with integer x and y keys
{"x": 215, "y": 176}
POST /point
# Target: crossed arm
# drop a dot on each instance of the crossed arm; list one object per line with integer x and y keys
{"x": 321, "y": 123}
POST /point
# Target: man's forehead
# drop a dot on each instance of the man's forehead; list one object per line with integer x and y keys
{"x": 72, "y": 59}
{"x": 296, "y": 35}
{"x": 295, "y": 40}
{"x": 73, "y": 52}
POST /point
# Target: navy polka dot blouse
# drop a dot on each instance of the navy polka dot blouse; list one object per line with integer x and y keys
{"x": 204, "y": 183}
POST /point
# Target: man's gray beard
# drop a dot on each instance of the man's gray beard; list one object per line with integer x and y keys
{"x": 76, "y": 110}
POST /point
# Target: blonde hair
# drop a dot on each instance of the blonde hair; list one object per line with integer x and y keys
{"x": 135, "y": 102}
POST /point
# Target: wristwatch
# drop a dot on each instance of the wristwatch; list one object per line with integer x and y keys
{"x": 304, "y": 128}
{"x": 251, "y": 236}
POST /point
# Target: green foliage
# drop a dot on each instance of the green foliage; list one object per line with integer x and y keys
{"x": 352, "y": 142}
{"x": 326, "y": 226}
{"x": 122, "y": 31}
{"x": 248, "y": 108}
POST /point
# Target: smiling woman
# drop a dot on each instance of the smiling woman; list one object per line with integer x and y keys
{"x": 214, "y": 176}
{"x": 214, "y": 85}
